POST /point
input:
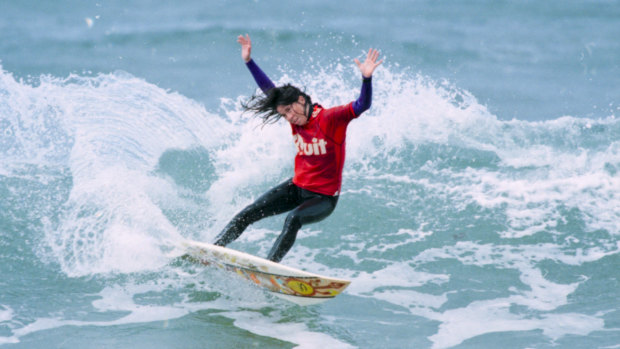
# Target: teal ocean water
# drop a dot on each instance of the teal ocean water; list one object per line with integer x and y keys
{"x": 480, "y": 206}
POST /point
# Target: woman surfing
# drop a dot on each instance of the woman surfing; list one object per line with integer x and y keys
{"x": 319, "y": 135}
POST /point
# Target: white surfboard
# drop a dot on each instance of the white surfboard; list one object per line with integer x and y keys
{"x": 291, "y": 284}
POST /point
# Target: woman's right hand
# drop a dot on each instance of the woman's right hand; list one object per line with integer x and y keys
{"x": 246, "y": 46}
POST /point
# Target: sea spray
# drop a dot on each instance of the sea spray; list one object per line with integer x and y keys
{"x": 446, "y": 211}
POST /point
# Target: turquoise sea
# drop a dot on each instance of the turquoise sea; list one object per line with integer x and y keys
{"x": 481, "y": 198}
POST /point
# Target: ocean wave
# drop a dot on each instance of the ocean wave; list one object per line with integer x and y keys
{"x": 447, "y": 213}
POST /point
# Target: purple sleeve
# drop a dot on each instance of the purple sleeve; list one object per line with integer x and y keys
{"x": 262, "y": 80}
{"x": 364, "y": 101}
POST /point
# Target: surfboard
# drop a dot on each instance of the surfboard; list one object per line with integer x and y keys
{"x": 294, "y": 285}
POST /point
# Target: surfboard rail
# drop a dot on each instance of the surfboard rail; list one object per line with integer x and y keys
{"x": 292, "y": 284}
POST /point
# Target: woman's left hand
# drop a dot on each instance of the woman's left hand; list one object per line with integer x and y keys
{"x": 370, "y": 64}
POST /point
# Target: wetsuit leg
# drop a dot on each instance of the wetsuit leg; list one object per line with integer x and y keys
{"x": 315, "y": 208}
{"x": 279, "y": 199}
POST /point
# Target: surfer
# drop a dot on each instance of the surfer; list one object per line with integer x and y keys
{"x": 319, "y": 135}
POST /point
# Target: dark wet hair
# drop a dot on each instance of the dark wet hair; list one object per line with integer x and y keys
{"x": 264, "y": 105}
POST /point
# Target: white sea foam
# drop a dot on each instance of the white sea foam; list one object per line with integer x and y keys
{"x": 6, "y": 313}
{"x": 394, "y": 275}
{"x": 123, "y": 299}
{"x": 497, "y": 315}
{"x": 116, "y": 298}
{"x": 294, "y": 332}
{"x": 117, "y": 126}
{"x": 488, "y": 316}
{"x": 410, "y": 236}
{"x": 111, "y": 130}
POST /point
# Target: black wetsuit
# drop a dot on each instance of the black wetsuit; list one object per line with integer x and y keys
{"x": 307, "y": 207}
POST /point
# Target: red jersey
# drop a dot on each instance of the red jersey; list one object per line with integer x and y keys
{"x": 320, "y": 147}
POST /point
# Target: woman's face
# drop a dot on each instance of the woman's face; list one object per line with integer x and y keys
{"x": 294, "y": 113}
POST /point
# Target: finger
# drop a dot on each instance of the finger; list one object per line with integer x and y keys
{"x": 375, "y": 55}
{"x": 370, "y": 55}
{"x": 357, "y": 61}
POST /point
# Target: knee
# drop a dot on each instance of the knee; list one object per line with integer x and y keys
{"x": 293, "y": 220}
{"x": 248, "y": 215}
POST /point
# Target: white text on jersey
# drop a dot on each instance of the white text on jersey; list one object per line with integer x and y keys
{"x": 317, "y": 147}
